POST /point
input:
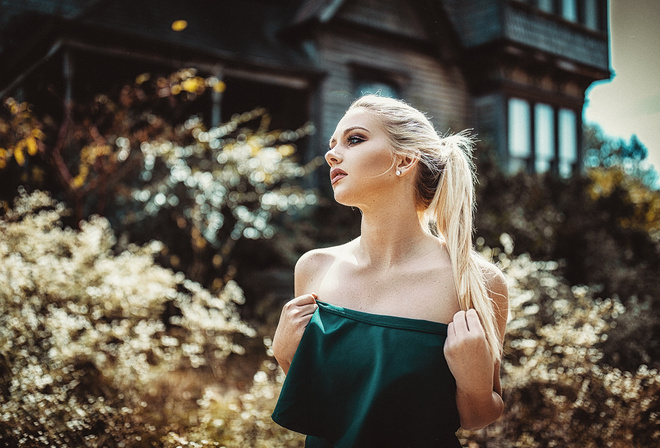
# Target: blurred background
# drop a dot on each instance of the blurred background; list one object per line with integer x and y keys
{"x": 161, "y": 172}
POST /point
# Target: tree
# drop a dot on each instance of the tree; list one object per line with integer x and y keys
{"x": 155, "y": 174}
{"x": 610, "y": 153}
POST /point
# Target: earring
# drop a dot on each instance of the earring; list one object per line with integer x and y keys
{"x": 398, "y": 172}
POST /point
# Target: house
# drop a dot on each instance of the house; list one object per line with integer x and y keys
{"x": 515, "y": 71}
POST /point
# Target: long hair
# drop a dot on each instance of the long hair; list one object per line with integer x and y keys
{"x": 444, "y": 196}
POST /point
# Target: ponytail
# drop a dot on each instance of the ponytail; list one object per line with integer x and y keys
{"x": 445, "y": 197}
{"x": 450, "y": 214}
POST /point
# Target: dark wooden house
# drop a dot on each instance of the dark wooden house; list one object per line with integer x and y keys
{"x": 516, "y": 71}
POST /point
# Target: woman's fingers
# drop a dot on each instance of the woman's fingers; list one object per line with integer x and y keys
{"x": 472, "y": 320}
{"x": 305, "y": 299}
{"x": 466, "y": 321}
{"x": 302, "y": 306}
{"x": 460, "y": 323}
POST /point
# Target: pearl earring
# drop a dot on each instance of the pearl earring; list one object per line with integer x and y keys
{"x": 398, "y": 172}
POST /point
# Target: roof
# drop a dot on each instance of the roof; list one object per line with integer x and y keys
{"x": 241, "y": 29}
{"x": 320, "y": 10}
{"x": 237, "y": 31}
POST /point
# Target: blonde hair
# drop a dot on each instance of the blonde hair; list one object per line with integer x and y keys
{"x": 444, "y": 195}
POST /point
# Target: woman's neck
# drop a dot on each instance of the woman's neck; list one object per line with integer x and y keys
{"x": 391, "y": 236}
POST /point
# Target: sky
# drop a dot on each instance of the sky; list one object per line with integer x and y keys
{"x": 629, "y": 103}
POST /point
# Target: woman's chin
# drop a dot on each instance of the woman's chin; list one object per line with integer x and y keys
{"x": 343, "y": 199}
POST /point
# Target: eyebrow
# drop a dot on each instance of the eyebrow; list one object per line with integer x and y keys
{"x": 346, "y": 131}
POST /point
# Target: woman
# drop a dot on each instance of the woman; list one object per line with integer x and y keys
{"x": 397, "y": 335}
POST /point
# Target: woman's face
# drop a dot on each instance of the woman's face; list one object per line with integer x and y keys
{"x": 361, "y": 162}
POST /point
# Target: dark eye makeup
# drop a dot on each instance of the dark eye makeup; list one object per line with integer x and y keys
{"x": 351, "y": 140}
{"x": 354, "y": 140}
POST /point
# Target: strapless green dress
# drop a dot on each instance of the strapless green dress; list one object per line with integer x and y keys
{"x": 367, "y": 380}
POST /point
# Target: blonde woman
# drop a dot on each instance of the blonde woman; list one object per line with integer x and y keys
{"x": 394, "y": 339}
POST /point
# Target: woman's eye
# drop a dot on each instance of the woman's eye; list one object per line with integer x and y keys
{"x": 354, "y": 140}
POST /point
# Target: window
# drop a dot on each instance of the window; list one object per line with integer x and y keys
{"x": 546, "y": 5}
{"x": 567, "y": 142}
{"x": 550, "y": 145}
{"x": 569, "y": 10}
{"x": 591, "y": 14}
{"x": 519, "y": 134}
{"x": 544, "y": 137}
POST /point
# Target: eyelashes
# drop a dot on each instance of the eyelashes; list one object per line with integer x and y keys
{"x": 354, "y": 140}
{"x": 351, "y": 141}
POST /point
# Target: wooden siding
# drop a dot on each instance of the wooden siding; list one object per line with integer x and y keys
{"x": 555, "y": 37}
{"x": 437, "y": 89}
{"x": 477, "y": 21}
{"x": 490, "y": 123}
{"x": 391, "y": 16}
{"x": 69, "y": 8}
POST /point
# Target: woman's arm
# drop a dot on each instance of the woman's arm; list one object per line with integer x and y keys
{"x": 477, "y": 374}
{"x": 297, "y": 313}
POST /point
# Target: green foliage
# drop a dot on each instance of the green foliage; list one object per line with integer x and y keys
{"x": 557, "y": 389}
{"x": 93, "y": 342}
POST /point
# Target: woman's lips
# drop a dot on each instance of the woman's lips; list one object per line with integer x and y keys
{"x": 337, "y": 174}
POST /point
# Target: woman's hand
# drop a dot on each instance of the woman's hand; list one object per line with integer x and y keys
{"x": 474, "y": 369}
{"x": 467, "y": 354}
{"x": 295, "y": 316}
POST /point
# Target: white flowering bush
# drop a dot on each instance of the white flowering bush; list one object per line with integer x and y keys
{"x": 227, "y": 177}
{"x": 100, "y": 348}
{"x": 558, "y": 392}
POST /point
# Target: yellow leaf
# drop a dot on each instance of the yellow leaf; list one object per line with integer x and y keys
{"x": 192, "y": 85}
{"x": 104, "y": 150}
{"x": 141, "y": 79}
{"x": 38, "y": 134}
{"x": 179, "y": 25}
{"x": 219, "y": 86}
{"x": 77, "y": 182}
{"x": 31, "y": 144}
{"x": 19, "y": 156}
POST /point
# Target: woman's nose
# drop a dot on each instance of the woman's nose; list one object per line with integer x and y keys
{"x": 331, "y": 157}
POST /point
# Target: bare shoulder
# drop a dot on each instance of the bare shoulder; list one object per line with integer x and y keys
{"x": 313, "y": 260}
{"x": 312, "y": 266}
{"x": 498, "y": 290}
{"x": 495, "y": 280}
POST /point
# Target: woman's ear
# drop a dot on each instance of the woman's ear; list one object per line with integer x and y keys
{"x": 405, "y": 164}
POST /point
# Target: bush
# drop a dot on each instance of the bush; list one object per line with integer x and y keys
{"x": 603, "y": 229}
{"x": 558, "y": 391}
{"x": 98, "y": 348}
{"x": 135, "y": 157}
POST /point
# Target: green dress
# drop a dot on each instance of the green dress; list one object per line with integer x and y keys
{"x": 368, "y": 380}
